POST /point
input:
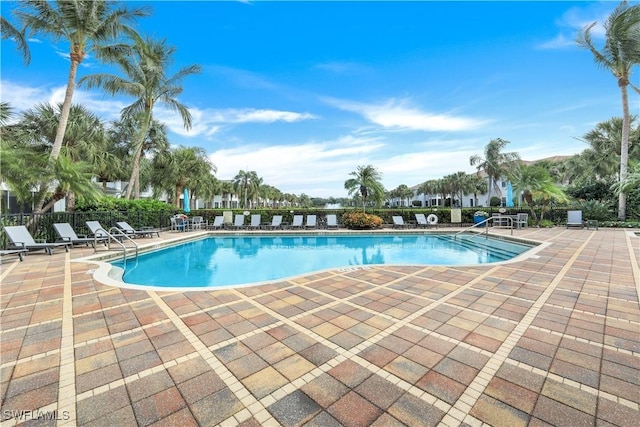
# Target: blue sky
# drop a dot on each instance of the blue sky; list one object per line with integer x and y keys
{"x": 304, "y": 92}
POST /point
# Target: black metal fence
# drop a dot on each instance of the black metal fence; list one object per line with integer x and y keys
{"x": 41, "y": 226}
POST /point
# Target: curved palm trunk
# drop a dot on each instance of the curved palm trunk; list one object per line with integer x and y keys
{"x": 62, "y": 127}
{"x": 135, "y": 172}
{"x": 66, "y": 108}
{"x": 624, "y": 148}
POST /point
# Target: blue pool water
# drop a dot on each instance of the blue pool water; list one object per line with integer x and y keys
{"x": 234, "y": 260}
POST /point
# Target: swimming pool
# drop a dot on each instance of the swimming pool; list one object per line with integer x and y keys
{"x": 234, "y": 260}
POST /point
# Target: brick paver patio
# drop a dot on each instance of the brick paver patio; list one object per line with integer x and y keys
{"x": 550, "y": 340}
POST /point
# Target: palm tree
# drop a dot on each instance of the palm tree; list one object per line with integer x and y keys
{"x": 621, "y": 51}
{"x": 180, "y": 168}
{"x": 85, "y": 137}
{"x": 87, "y": 25}
{"x": 537, "y": 186}
{"x": 366, "y": 182}
{"x": 246, "y": 185}
{"x": 25, "y": 154}
{"x": 226, "y": 188}
{"x": 477, "y": 185}
{"x": 495, "y": 163}
{"x": 428, "y": 188}
{"x": 145, "y": 69}
{"x": 403, "y": 192}
{"x": 9, "y": 31}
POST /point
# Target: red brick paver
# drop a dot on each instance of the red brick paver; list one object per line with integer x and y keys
{"x": 551, "y": 339}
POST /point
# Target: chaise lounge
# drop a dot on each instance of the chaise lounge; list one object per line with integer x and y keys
{"x": 20, "y": 238}
{"x": 67, "y": 234}
{"x": 143, "y": 232}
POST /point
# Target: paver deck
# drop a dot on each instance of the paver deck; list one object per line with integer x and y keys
{"x": 550, "y": 340}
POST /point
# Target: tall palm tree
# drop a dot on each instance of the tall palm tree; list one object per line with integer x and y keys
{"x": 621, "y": 51}
{"x": 146, "y": 70}
{"x": 495, "y": 163}
{"x": 87, "y": 25}
{"x": 366, "y": 182}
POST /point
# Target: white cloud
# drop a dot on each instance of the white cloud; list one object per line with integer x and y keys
{"x": 268, "y": 116}
{"x": 25, "y": 97}
{"x": 399, "y": 115}
{"x": 343, "y": 67}
{"x": 559, "y": 42}
{"x": 209, "y": 121}
{"x": 314, "y": 168}
{"x": 577, "y": 18}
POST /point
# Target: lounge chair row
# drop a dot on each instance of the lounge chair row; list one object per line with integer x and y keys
{"x": 299, "y": 222}
{"x": 421, "y": 221}
{"x": 21, "y": 241}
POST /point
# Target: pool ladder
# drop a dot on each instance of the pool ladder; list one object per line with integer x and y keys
{"x": 485, "y": 222}
{"x": 116, "y": 235}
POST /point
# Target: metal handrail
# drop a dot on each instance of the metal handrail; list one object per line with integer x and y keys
{"x": 486, "y": 225}
{"x": 119, "y": 233}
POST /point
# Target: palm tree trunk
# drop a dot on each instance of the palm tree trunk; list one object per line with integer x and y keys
{"x": 624, "y": 149}
{"x": 135, "y": 172}
{"x": 62, "y": 127}
{"x": 71, "y": 201}
{"x": 66, "y": 108}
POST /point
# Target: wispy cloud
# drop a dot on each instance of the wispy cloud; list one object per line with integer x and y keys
{"x": 559, "y": 42}
{"x": 574, "y": 20}
{"x": 401, "y": 115}
{"x": 209, "y": 121}
{"x": 205, "y": 121}
{"x": 300, "y": 168}
{"x": 337, "y": 67}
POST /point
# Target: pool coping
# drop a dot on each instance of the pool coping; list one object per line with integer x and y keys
{"x": 110, "y": 275}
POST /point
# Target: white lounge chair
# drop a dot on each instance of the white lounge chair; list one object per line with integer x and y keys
{"x": 297, "y": 221}
{"x": 398, "y": 222}
{"x": 238, "y": 221}
{"x": 67, "y": 234}
{"x": 255, "y": 222}
{"x": 20, "y": 238}
{"x": 218, "y": 222}
{"x": 276, "y": 222}
{"x": 96, "y": 229}
{"x": 574, "y": 219}
{"x": 332, "y": 221}
{"x": 130, "y": 231}
{"x": 312, "y": 221}
{"x": 421, "y": 220}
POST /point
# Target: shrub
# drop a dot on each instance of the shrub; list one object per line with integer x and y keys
{"x": 593, "y": 209}
{"x": 495, "y": 201}
{"x": 545, "y": 223}
{"x": 361, "y": 220}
